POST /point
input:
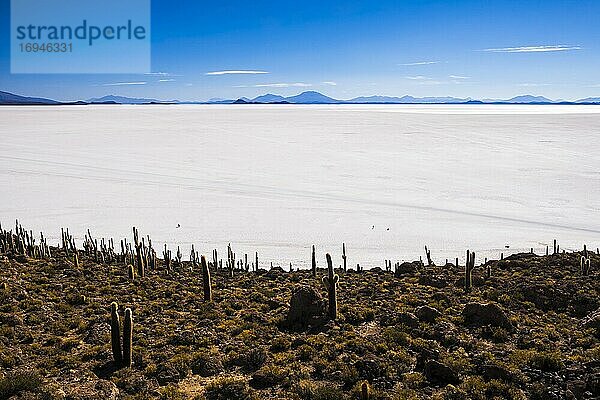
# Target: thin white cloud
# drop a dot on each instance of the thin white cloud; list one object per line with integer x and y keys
{"x": 276, "y": 85}
{"x": 160, "y": 74}
{"x": 533, "y": 49}
{"x": 330, "y": 83}
{"x": 528, "y": 84}
{"x": 418, "y": 78}
{"x": 240, "y": 72}
{"x": 459, "y": 77}
{"x": 166, "y": 80}
{"x": 124, "y": 83}
{"x": 419, "y": 63}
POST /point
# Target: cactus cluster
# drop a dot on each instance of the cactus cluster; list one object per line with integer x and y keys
{"x": 23, "y": 242}
{"x": 585, "y": 265}
{"x": 167, "y": 258}
{"x": 121, "y": 355}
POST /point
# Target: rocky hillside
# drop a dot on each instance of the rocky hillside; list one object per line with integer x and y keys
{"x": 529, "y": 328}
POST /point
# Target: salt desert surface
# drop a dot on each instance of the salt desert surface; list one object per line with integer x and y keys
{"x": 384, "y": 179}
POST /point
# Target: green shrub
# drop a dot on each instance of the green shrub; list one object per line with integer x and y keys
{"x": 228, "y": 388}
{"x": 268, "y": 376}
{"x": 308, "y": 390}
{"x": 19, "y": 381}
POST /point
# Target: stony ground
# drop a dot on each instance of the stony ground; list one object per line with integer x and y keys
{"x": 411, "y": 336}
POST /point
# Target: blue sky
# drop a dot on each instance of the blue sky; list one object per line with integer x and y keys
{"x": 479, "y": 49}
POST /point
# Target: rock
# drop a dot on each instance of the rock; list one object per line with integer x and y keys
{"x": 440, "y": 374}
{"x": 306, "y": 307}
{"x": 577, "y": 388}
{"x": 369, "y": 369}
{"x": 97, "y": 334}
{"x": 486, "y": 314}
{"x": 495, "y": 372}
{"x": 275, "y": 272}
{"x": 424, "y": 356}
{"x": 593, "y": 383}
{"x": 592, "y": 321}
{"x": 433, "y": 281}
{"x": 207, "y": 365}
{"x": 408, "y": 319}
{"x": 406, "y": 268}
{"x": 84, "y": 385}
{"x": 428, "y": 314}
{"x": 166, "y": 373}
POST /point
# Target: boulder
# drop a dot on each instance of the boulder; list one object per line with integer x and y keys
{"x": 440, "y": 374}
{"x": 306, "y": 307}
{"x": 486, "y": 314}
{"x": 428, "y": 314}
{"x": 406, "y": 268}
{"x": 408, "y": 319}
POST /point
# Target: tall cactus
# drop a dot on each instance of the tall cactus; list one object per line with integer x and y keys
{"x": 428, "y": 254}
{"x": 139, "y": 254}
{"x": 127, "y": 338}
{"x": 469, "y": 266}
{"x": 314, "y": 262}
{"x": 331, "y": 282}
{"x": 115, "y": 334}
{"x": 206, "y": 280}
{"x": 344, "y": 255}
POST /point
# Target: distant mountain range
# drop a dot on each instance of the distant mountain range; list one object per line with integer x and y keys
{"x": 309, "y": 97}
{"x": 9, "y": 98}
{"x": 111, "y": 98}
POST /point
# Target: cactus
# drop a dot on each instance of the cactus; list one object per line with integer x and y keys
{"x": 331, "y": 282}
{"x": 167, "y": 258}
{"x": 131, "y": 272}
{"x": 76, "y": 259}
{"x": 469, "y": 265}
{"x": 428, "y": 254}
{"x": 115, "y": 334}
{"x": 365, "y": 391}
{"x": 139, "y": 254}
{"x": 344, "y": 255}
{"x": 585, "y": 265}
{"x": 127, "y": 337}
{"x": 206, "y": 279}
{"x": 257, "y": 260}
{"x": 314, "y": 262}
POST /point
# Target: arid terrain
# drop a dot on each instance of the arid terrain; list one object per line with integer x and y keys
{"x": 528, "y": 329}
